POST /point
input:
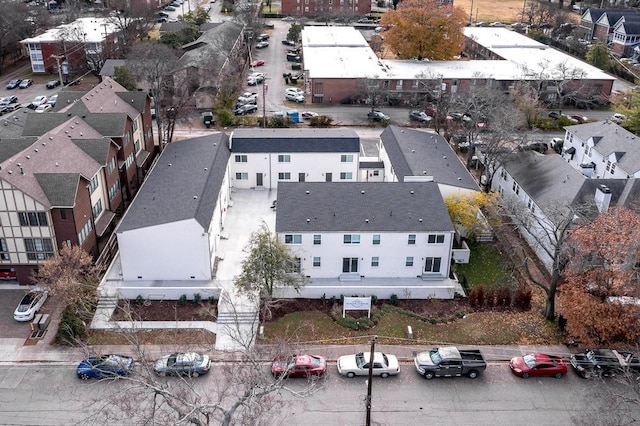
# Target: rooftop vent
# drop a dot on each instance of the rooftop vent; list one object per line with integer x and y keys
{"x": 306, "y": 192}
{"x": 308, "y": 220}
{"x": 362, "y": 192}
{"x": 195, "y": 197}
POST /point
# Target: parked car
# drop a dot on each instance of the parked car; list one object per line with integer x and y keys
{"x": 103, "y": 366}
{"x": 603, "y": 362}
{"x": 13, "y": 83}
{"x": 30, "y": 304}
{"x": 294, "y": 57}
{"x": 420, "y": 116}
{"x": 298, "y": 366}
{"x": 579, "y": 118}
{"x": 190, "y": 364}
{"x": 245, "y": 109}
{"x": 262, "y": 37}
{"x": 8, "y": 100}
{"x": 262, "y": 44}
{"x": 307, "y": 115}
{"x": 39, "y": 100}
{"x": 248, "y": 97}
{"x": 163, "y": 14}
{"x": 170, "y": 8}
{"x": 538, "y": 365}
{"x": 448, "y": 361}
{"x": 294, "y": 90}
{"x": 384, "y": 365}
{"x": 5, "y": 109}
{"x": 255, "y": 78}
{"x": 294, "y": 97}
{"x": 53, "y": 84}
{"x": 257, "y": 63}
{"x": 618, "y": 118}
{"x": 52, "y": 100}
{"x": 377, "y": 116}
{"x": 43, "y": 108}
{"x": 288, "y": 19}
{"x": 554, "y": 115}
{"x": 25, "y": 83}
{"x": 287, "y": 42}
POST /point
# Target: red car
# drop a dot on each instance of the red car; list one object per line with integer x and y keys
{"x": 299, "y": 366}
{"x": 257, "y": 63}
{"x": 538, "y": 365}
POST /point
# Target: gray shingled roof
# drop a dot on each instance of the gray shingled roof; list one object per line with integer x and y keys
{"x": 631, "y": 28}
{"x": 184, "y": 184}
{"x": 108, "y": 124}
{"x": 39, "y": 124}
{"x": 98, "y": 149}
{"x": 136, "y": 99}
{"x": 10, "y": 147}
{"x": 547, "y": 179}
{"x": 109, "y": 67}
{"x": 609, "y": 138}
{"x": 417, "y": 153}
{"x": 212, "y": 47}
{"x": 361, "y": 207}
{"x": 60, "y": 188}
{"x": 624, "y": 192}
{"x": 295, "y": 140}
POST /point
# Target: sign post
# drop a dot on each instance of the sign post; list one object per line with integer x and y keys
{"x": 357, "y": 304}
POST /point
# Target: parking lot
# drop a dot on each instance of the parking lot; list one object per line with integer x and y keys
{"x": 25, "y": 96}
{"x": 10, "y": 328}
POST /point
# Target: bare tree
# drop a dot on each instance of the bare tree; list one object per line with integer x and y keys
{"x": 560, "y": 82}
{"x": 613, "y": 401}
{"x": 14, "y": 26}
{"x": 371, "y": 91}
{"x": 133, "y": 21}
{"x": 547, "y": 230}
{"x": 153, "y": 64}
{"x": 432, "y": 96}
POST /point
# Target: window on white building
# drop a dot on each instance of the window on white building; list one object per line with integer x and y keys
{"x": 408, "y": 261}
{"x": 375, "y": 261}
{"x": 284, "y": 176}
{"x": 435, "y": 239}
{"x": 293, "y": 239}
{"x": 240, "y": 158}
{"x": 376, "y": 239}
{"x": 284, "y": 158}
{"x": 317, "y": 239}
{"x": 346, "y": 158}
{"x": 432, "y": 264}
{"x": 346, "y": 176}
{"x": 412, "y": 239}
{"x": 242, "y": 176}
{"x": 351, "y": 238}
{"x": 316, "y": 262}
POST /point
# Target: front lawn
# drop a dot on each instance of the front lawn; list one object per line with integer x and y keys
{"x": 487, "y": 267}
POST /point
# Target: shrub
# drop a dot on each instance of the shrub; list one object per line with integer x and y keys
{"x": 197, "y": 299}
{"x": 139, "y": 300}
{"x": 393, "y": 299}
{"x": 212, "y": 300}
{"x": 321, "y": 121}
{"x": 278, "y": 122}
{"x": 363, "y": 323}
{"x": 477, "y": 296}
{"x": 522, "y": 298}
{"x": 342, "y": 299}
{"x": 225, "y": 117}
{"x": 182, "y": 300}
{"x": 332, "y": 300}
{"x": 71, "y": 327}
{"x": 323, "y": 298}
{"x": 374, "y": 300}
{"x": 490, "y": 297}
{"x": 503, "y": 296}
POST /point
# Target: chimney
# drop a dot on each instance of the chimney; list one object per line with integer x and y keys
{"x": 603, "y": 197}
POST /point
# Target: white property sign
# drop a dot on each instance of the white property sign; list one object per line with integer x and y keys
{"x": 357, "y": 304}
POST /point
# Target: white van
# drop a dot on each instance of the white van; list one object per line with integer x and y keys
{"x": 618, "y": 118}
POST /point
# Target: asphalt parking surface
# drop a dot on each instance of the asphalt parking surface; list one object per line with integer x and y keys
{"x": 10, "y": 328}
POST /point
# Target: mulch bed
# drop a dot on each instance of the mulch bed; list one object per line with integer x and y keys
{"x": 165, "y": 310}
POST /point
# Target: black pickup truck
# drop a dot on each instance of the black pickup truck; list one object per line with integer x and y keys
{"x": 604, "y": 362}
{"x": 448, "y": 361}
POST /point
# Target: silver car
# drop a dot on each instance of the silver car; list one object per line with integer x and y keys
{"x": 384, "y": 365}
{"x": 30, "y": 305}
{"x": 190, "y": 364}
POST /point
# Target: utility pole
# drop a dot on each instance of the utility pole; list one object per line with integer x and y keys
{"x": 471, "y": 13}
{"x": 57, "y": 58}
{"x": 264, "y": 102}
{"x": 370, "y": 381}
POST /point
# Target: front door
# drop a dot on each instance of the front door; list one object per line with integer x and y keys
{"x": 301, "y": 177}
{"x": 258, "y": 179}
{"x": 327, "y": 177}
{"x": 349, "y": 264}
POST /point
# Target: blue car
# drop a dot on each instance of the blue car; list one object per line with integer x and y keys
{"x": 102, "y": 366}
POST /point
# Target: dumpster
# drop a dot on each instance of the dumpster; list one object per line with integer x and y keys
{"x": 294, "y": 116}
{"x": 207, "y": 119}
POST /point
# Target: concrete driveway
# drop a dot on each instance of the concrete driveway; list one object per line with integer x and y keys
{"x": 10, "y": 328}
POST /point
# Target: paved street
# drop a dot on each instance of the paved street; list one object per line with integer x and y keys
{"x": 52, "y": 395}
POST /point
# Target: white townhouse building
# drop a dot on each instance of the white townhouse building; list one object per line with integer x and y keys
{"x": 411, "y": 155}
{"x": 546, "y": 185}
{"x": 602, "y": 150}
{"x": 172, "y": 230}
{"x": 368, "y": 237}
{"x": 262, "y": 158}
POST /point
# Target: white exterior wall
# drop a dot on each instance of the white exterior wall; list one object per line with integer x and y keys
{"x": 173, "y": 251}
{"x": 389, "y": 173}
{"x": 314, "y": 165}
{"x": 593, "y": 156}
{"x": 219, "y": 215}
{"x": 392, "y": 253}
{"x": 13, "y": 201}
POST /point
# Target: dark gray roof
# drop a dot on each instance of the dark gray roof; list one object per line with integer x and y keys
{"x": 209, "y": 25}
{"x": 60, "y": 188}
{"x": 110, "y": 124}
{"x": 624, "y": 192}
{"x": 136, "y": 99}
{"x": 109, "y": 67}
{"x": 417, "y": 153}
{"x": 631, "y": 28}
{"x": 212, "y": 47}
{"x": 295, "y": 140}
{"x": 10, "y": 147}
{"x": 547, "y": 179}
{"x": 39, "y": 124}
{"x": 371, "y": 165}
{"x": 361, "y": 207}
{"x": 98, "y": 149}
{"x": 184, "y": 184}
{"x": 609, "y": 138}
{"x": 168, "y": 27}
{"x": 67, "y": 97}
